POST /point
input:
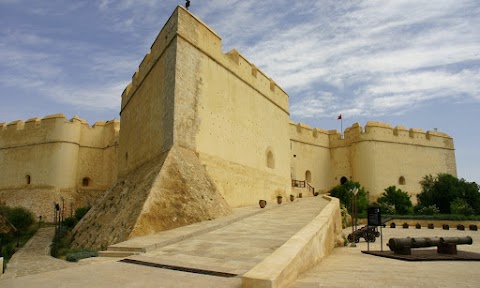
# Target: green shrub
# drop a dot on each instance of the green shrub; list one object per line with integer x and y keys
{"x": 453, "y": 217}
{"x": 344, "y": 193}
{"x": 80, "y": 212}
{"x": 429, "y": 210}
{"x": 8, "y": 250}
{"x": 396, "y": 200}
{"x": 70, "y": 222}
{"x": 75, "y": 256}
{"x": 460, "y": 206}
{"x": 21, "y": 218}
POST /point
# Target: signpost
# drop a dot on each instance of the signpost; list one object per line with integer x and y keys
{"x": 374, "y": 218}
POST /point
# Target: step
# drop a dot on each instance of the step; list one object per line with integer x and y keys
{"x": 126, "y": 248}
{"x": 118, "y": 254}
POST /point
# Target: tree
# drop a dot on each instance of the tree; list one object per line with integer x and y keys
{"x": 344, "y": 193}
{"x": 396, "y": 199}
{"x": 443, "y": 189}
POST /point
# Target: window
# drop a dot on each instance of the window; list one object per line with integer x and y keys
{"x": 29, "y": 179}
{"x": 85, "y": 181}
{"x": 401, "y": 180}
{"x": 270, "y": 159}
{"x": 343, "y": 180}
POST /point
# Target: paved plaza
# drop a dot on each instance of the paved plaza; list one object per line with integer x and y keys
{"x": 238, "y": 246}
{"x": 348, "y": 267}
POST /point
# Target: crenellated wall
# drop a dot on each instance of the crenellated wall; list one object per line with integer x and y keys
{"x": 377, "y": 156}
{"x": 191, "y": 105}
{"x": 51, "y": 157}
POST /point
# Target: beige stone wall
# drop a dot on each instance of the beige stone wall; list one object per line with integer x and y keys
{"x": 380, "y": 155}
{"x": 376, "y": 156}
{"x": 55, "y": 154}
{"x": 310, "y": 152}
{"x": 148, "y": 104}
{"x": 232, "y": 115}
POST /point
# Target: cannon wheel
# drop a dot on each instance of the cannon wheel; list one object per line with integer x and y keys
{"x": 377, "y": 234}
{"x": 370, "y": 238}
{"x": 349, "y": 238}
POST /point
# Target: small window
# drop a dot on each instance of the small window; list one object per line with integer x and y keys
{"x": 270, "y": 159}
{"x": 29, "y": 179}
{"x": 343, "y": 180}
{"x": 85, "y": 182}
{"x": 401, "y": 180}
{"x": 308, "y": 176}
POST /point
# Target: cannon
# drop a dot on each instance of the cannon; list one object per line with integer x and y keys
{"x": 369, "y": 233}
{"x": 445, "y": 245}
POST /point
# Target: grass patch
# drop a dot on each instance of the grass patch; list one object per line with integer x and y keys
{"x": 451, "y": 217}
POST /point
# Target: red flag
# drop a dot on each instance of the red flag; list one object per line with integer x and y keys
{"x": 339, "y": 117}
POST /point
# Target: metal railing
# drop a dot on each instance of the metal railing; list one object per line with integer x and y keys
{"x": 303, "y": 184}
{"x": 310, "y": 188}
{"x": 298, "y": 183}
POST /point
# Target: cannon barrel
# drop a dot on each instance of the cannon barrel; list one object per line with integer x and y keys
{"x": 396, "y": 244}
{"x": 421, "y": 242}
{"x": 456, "y": 240}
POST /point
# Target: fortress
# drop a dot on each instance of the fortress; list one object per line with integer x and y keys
{"x": 201, "y": 131}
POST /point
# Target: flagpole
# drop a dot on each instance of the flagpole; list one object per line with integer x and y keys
{"x": 341, "y": 125}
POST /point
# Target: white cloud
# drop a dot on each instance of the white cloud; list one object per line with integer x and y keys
{"x": 93, "y": 98}
{"x": 377, "y": 56}
{"x": 330, "y": 56}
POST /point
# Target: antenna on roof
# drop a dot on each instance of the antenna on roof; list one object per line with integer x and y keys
{"x": 187, "y": 4}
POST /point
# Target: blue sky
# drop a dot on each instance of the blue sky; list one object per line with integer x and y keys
{"x": 411, "y": 63}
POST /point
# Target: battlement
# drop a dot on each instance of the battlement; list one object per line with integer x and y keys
{"x": 56, "y": 128}
{"x": 383, "y": 132}
{"x": 305, "y": 134}
{"x": 187, "y": 27}
{"x": 373, "y": 131}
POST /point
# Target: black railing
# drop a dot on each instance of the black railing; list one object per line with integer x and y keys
{"x": 310, "y": 188}
{"x": 298, "y": 183}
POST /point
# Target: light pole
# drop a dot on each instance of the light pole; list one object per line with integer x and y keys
{"x": 355, "y": 191}
{"x": 354, "y": 195}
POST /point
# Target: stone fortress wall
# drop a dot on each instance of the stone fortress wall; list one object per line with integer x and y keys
{"x": 224, "y": 114}
{"x": 43, "y": 160}
{"x": 218, "y": 105}
{"x": 377, "y": 156}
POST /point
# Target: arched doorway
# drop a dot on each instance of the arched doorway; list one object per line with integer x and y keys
{"x": 343, "y": 180}
{"x": 308, "y": 176}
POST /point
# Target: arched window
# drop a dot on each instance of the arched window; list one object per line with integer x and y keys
{"x": 85, "y": 181}
{"x": 401, "y": 180}
{"x": 343, "y": 180}
{"x": 270, "y": 159}
{"x": 29, "y": 179}
{"x": 308, "y": 176}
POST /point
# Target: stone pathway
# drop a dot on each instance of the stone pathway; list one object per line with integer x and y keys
{"x": 35, "y": 257}
{"x": 234, "y": 248}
